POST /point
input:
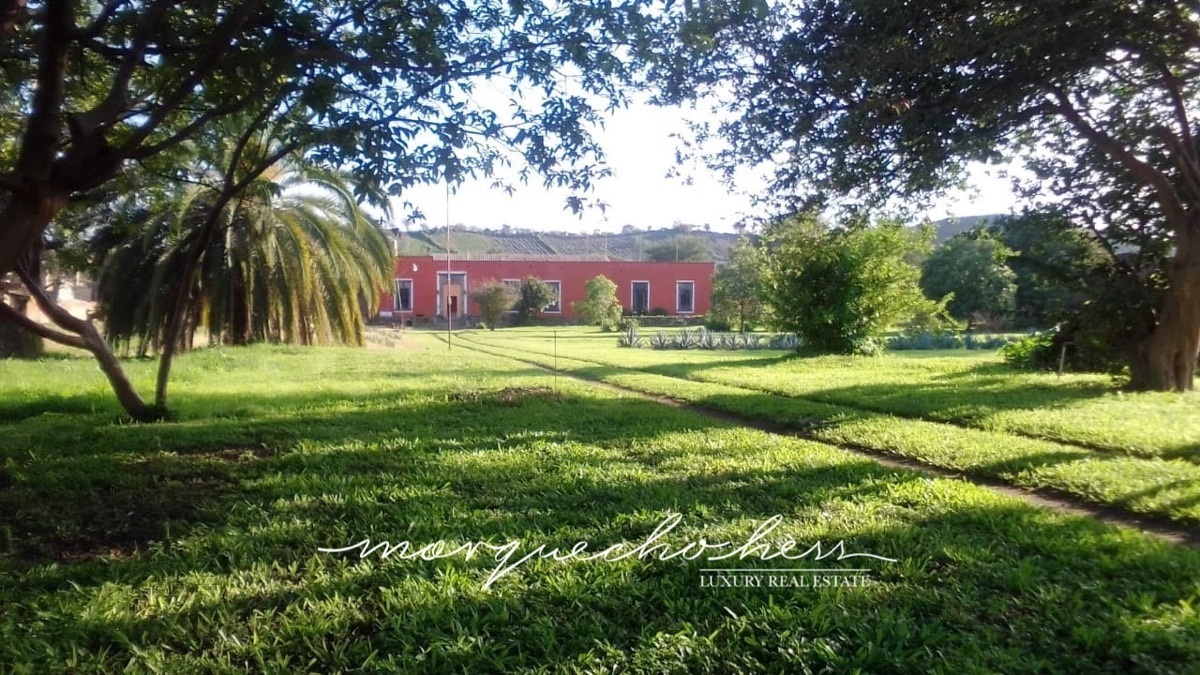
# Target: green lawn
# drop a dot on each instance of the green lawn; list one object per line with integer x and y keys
{"x": 1151, "y": 464}
{"x": 191, "y": 545}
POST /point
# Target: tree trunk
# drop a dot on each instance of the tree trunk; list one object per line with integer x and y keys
{"x": 82, "y": 335}
{"x": 1166, "y": 359}
{"x": 130, "y": 400}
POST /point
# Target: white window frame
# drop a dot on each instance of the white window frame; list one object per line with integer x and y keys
{"x": 411, "y": 296}
{"x": 678, "y": 309}
{"x": 449, "y": 279}
{"x": 632, "y": 299}
{"x": 558, "y": 286}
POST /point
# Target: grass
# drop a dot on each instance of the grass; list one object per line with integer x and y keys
{"x": 927, "y": 423}
{"x": 191, "y": 545}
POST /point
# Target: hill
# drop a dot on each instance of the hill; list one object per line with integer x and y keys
{"x": 948, "y": 227}
{"x": 629, "y": 245}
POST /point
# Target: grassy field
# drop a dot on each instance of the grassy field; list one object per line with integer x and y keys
{"x": 192, "y": 545}
{"x": 944, "y": 414}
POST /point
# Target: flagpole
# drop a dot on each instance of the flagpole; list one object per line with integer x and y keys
{"x": 449, "y": 314}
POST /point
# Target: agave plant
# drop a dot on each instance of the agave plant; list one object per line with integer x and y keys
{"x": 660, "y": 341}
{"x": 630, "y": 338}
{"x": 785, "y": 341}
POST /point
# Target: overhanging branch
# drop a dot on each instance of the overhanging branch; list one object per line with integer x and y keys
{"x": 11, "y": 315}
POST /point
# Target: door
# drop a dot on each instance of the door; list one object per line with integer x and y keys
{"x": 640, "y": 302}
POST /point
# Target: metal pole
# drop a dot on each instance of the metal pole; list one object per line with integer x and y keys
{"x": 556, "y": 362}
{"x": 449, "y": 314}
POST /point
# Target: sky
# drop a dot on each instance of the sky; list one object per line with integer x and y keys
{"x": 641, "y": 151}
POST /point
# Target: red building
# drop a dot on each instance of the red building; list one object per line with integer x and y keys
{"x": 421, "y": 283}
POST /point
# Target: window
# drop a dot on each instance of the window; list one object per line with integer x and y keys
{"x": 640, "y": 297}
{"x": 685, "y": 297}
{"x": 556, "y": 306}
{"x": 404, "y": 296}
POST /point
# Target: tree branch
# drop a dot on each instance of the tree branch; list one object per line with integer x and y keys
{"x": 1172, "y": 206}
{"x": 115, "y": 101}
{"x": 61, "y": 317}
{"x": 186, "y": 132}
{"x": 40, "y": 143}
{"x": 11, "y": 315}
{"x": 203, "y": 66}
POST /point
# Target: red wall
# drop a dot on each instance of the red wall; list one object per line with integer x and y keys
{"x": 573, "y": 275}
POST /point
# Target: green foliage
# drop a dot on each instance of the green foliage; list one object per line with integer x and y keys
{"x": 1056, "y": 265}
{"x": 971, "y": 268}
{"x": 629, "y": 338}
{"x": 717, "y": 323}
{"x": 703, "y": 338}
{"x": 533, "y": 296}
{"x": 601, "y": 307}
{"x": 840, "y": 288}
{"x": 493, "y": 298}
{"x": 932, "y": 316}
{"x": 295, "y": 261}
{"x": 680, "y": 248}
{"x": 875, "y": 101}
{"x": 1035, "y": 352}
{"x": 931, "y": 340}
{"x": 738, "y": 288}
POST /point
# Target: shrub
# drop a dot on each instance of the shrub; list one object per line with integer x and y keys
{"x": 493, "y": 299}
{"x": 533, "y": 296}
{"x": 839, "y": 288}
{"x": 1035, "y": 352}
{"x": 601, "y": 306}
{"x": 716, "y": 323}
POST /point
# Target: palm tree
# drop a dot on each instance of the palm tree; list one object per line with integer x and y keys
{"x": 296, "y": 260}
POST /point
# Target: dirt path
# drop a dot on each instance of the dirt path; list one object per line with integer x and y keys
{"x": 1160, "y": 528}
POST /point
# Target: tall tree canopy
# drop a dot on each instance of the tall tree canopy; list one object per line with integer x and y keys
{"x": 869, "y": 99}
{"x": 973, "y": 267}
{"x": 385, "y": 89}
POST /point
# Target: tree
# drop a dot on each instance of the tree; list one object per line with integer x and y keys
{"x": 879, "y": 98}
{"x": 972, "y": 267}
{"x": 738, "y": 287}
{"x": 382, "y": 89}
{"x": 493, "y": 298}
{"x": 840, "y": 288}
{"x": 680, "y": 248}
{"x": 533, "y": 296}
{"x": 601, "y": 306}
{"x": 296, "y": 257}
{"x": 1057, "y": 265}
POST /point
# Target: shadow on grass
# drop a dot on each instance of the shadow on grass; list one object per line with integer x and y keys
{"x": 241, "y": 506}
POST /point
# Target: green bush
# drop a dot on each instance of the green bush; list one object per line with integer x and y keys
{"x": 840, "y": 288}
{"x": 716, "y": 323}
{"x": 1035, "y": 352}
